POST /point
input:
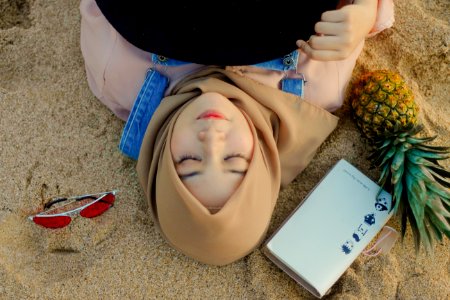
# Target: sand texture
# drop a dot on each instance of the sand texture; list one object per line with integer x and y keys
{"x": 56, "y": 139}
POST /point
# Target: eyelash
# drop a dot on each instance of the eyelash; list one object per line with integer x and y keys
{"x": 188, "y": 156}
{"x": 234, "y": 155}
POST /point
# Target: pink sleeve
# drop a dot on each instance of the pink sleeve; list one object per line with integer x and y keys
{"x": 95, "y": 28}
{"x": 115, "y": 69}
{"x": 385, "y": 17}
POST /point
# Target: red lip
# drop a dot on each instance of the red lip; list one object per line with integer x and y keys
{"x": 211, "y": 114}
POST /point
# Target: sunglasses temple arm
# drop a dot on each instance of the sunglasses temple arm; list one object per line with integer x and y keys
{"x": 87, "y": 196}
{"x": 92, "y": 195}
{"x": 81, "y": 197}
{"x": 54, "y": 201}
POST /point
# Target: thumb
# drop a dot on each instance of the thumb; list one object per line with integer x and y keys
{"x": 305, "y": 47}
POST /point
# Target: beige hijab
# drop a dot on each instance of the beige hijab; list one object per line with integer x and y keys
{"x": 287, "y": 132}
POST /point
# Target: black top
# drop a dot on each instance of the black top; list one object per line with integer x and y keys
{"x": 216, "y": 32}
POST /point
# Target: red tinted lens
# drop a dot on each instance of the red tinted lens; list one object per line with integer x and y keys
{"x": 52, "y": 222}
{"x": 98, "y": 207}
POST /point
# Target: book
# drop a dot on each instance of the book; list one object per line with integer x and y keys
{"x": 327, "y": 231}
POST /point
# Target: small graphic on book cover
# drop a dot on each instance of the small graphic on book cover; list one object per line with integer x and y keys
{"x": 381, "y": 205}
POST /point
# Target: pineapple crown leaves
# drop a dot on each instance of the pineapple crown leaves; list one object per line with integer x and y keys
{"x": 419, "y": 185}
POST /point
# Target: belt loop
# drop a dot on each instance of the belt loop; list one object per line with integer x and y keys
{"x": 302, "y": 77}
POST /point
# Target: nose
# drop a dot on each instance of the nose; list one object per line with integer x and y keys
{"x": 211, "y": 138}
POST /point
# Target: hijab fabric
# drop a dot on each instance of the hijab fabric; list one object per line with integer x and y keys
{"x": 287, "y": 132}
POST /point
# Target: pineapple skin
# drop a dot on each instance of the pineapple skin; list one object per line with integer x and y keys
{"x": 383, "y": 104}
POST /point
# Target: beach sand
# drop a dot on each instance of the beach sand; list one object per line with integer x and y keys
{"x": 56, "y": 139}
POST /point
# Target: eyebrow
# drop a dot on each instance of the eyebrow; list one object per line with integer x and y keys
{"x": 190, "y": 175}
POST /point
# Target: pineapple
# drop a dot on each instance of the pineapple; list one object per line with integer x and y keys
{"x": 385, "y": 111}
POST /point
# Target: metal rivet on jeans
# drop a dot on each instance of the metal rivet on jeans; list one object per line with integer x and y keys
{"x": 288, "y": 61}
{"x": 162, "y": 58}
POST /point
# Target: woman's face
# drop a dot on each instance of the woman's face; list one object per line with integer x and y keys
{"x": 211, "y": 146}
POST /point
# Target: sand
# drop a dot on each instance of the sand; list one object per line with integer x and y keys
{"x": 56, "y": 138}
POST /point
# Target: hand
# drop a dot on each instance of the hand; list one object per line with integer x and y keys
{"x": 340, "y": 31}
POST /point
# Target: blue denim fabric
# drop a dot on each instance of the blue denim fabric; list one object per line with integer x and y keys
{"x": 162, "y": 60}
{"x": 147, "y": 101}
{"x": 293, "y": 86}
{"x": 285, "y": 63}
{"x": 154, "y": 87}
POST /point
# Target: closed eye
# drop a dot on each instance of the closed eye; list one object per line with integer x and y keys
{"x": 188, "y": 157}
{"x": 192, "y": 174}
{"x": 234, "y": 155}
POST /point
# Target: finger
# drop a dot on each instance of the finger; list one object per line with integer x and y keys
{"x": 304, "y": 46}
{"x": 328, "y": 28}
{"x": 323, "y": 55}
{"x": 326, "y": 42}
{"x": 334, "y": 16}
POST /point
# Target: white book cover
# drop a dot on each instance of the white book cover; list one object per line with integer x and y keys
{"x": 330, "y": 228}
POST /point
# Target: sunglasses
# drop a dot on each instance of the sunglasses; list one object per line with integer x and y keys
{"x": 87, "y": 206}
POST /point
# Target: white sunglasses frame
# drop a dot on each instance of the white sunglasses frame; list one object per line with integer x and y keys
{"x": 73, "y": 212}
